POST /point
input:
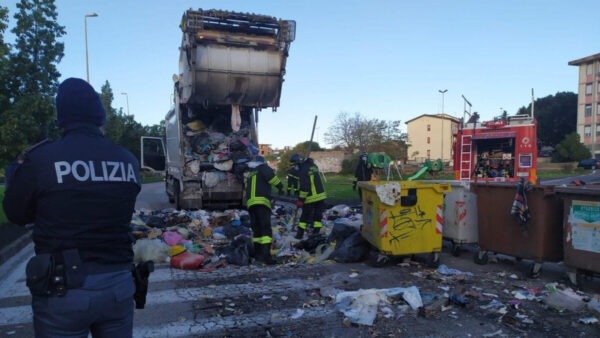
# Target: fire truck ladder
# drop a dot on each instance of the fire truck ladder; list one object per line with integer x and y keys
{"x": 465, "y": 157}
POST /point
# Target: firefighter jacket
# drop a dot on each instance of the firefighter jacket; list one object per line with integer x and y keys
{"x": 311, "y": 185}
{"x": 80, "y": 193}
{"x": 292, "y": 181}
{"x": 258, "y": 185}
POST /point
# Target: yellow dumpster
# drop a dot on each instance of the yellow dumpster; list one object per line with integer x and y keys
{"x": 404, "y": 217}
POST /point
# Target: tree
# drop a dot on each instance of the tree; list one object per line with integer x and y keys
{"x": 31, "y": 79}
{"x": 571, "y": 149}
{"x": 113, "y": 129}
{"x": 358, "y": 132}
{"x": 4, "y": 50}
{"x": 556, "y": 116}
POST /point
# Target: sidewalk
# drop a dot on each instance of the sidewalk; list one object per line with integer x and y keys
{"x": 13, "y": 238}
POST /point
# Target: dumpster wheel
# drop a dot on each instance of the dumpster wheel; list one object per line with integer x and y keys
{"x": 480, "y": 257}
{"x": 433, "y": 260}
{"x": 534, "y": 271}
{"x": 455, "y": 249}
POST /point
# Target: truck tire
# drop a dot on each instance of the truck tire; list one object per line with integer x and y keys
{"x": 176, "y": 195}
{"x": 170, "y": 196}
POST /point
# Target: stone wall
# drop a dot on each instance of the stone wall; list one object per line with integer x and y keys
{"x": 329, "y": 161}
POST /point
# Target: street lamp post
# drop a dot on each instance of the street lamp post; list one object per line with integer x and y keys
{"x": 442, "y": 144}
{"x": 87, "y": 67}
{"x": 127, "y": 98}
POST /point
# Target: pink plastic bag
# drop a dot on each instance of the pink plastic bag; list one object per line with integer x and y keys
{"x": 172, "y": 237}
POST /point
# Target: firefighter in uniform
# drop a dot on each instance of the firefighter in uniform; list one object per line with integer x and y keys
{"x": 311, "y": 198}
{"x": 292, "y": 176}
{"x": 259, "y": 181}
{"x": 79, "y": 192}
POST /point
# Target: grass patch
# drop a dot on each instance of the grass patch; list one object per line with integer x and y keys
{"x": 151, "y": 178}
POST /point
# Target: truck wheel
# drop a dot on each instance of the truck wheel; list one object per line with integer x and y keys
{"x": 170, "y": 196}
{"x": 177, "y": 195}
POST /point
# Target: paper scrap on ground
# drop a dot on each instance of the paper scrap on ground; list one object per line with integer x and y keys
{"x": 360, "y": 307}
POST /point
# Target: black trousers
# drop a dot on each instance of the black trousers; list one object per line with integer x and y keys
{"x": 312, "y": 213}
{"x": 260, "y": 220}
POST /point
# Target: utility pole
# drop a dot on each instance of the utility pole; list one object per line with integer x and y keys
{"x": 87, "y": 67}
{"x": 442, "y": 144}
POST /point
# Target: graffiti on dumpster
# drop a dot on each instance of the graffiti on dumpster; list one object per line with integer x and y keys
{"x": 583, "y": 227}
{"x": 460, "y": 213}
{"x": 406, "y": 222}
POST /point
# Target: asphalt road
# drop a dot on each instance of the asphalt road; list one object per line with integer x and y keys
{"x": 294, "y": 300}
{"x": 153, "y": 197}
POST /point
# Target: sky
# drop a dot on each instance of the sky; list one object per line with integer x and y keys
{"x": 385, "y": 60}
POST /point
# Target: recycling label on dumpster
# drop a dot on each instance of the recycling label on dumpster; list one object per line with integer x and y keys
{"x": 583, "y": 228}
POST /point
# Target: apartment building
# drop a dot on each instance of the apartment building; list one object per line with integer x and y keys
{"x": 430, "y": 136}
{"x": 588, "y": 102}
{"x": 265, "y": 150}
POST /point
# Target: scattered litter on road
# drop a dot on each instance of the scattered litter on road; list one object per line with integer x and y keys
{"x": 588, "y": 320}
{"x": 298, "y": 314}
{"x": 444, "y": 270}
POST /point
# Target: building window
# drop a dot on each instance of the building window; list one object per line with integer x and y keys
{"x": 597, "y": 130}
{"x": 428, "y": 153}
{"x": 587, "y": 131}
{"x": 429, "y": 127}
{"x": 588, "y": 110}
{"x": 428, "y": 140}
{"x": 588, "y": 89}
{"x": 589, "y": 69}
{"x": 598, "y": 109}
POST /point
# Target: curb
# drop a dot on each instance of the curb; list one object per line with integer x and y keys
{"x": 14, "y": 247}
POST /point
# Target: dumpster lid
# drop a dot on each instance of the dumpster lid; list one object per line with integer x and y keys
{"x": 579, "y": 190}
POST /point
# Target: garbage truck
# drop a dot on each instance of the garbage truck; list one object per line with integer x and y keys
{"x": 231, "y": 66}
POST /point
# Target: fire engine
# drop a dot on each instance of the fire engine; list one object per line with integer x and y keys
{"x": 501, "y": 150}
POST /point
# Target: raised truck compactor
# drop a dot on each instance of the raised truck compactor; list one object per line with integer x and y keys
{"x": 231, "y": 66}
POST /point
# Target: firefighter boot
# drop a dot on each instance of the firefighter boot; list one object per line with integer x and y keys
{"x": 300, "y": 233}
{"x": 263, "y": 254}
{"x": 315, "y": 231}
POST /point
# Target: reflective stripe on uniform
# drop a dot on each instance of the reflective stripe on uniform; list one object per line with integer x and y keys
{"x": 302, "y": 225}
{"x": 256, "y": 200}
{"x": 274, "y": 181}
{"x": 262, "y": 240}
{"x": 317, "y": 224}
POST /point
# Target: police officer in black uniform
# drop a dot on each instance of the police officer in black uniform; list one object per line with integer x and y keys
{"x": 79, "y": 192}
{"x": 363, "y": 172}
{"x": 258, "y": 201}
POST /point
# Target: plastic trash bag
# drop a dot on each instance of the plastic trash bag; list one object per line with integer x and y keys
{"x": 239, "y": 251}
{"x": 340, "y": 231}
{"x": 353, "y": 249}
{"x": 187, "y": 261}
{"x": 172, "y": 237}
{"x": 150, "y": 250}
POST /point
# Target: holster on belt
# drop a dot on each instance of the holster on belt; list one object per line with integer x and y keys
{"x": 38, "y": 272}
{"x": 53, "y": 274}
{"x": 141, "y": 273}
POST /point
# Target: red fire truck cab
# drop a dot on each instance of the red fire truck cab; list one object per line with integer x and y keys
{"x": 499, "y": 150}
